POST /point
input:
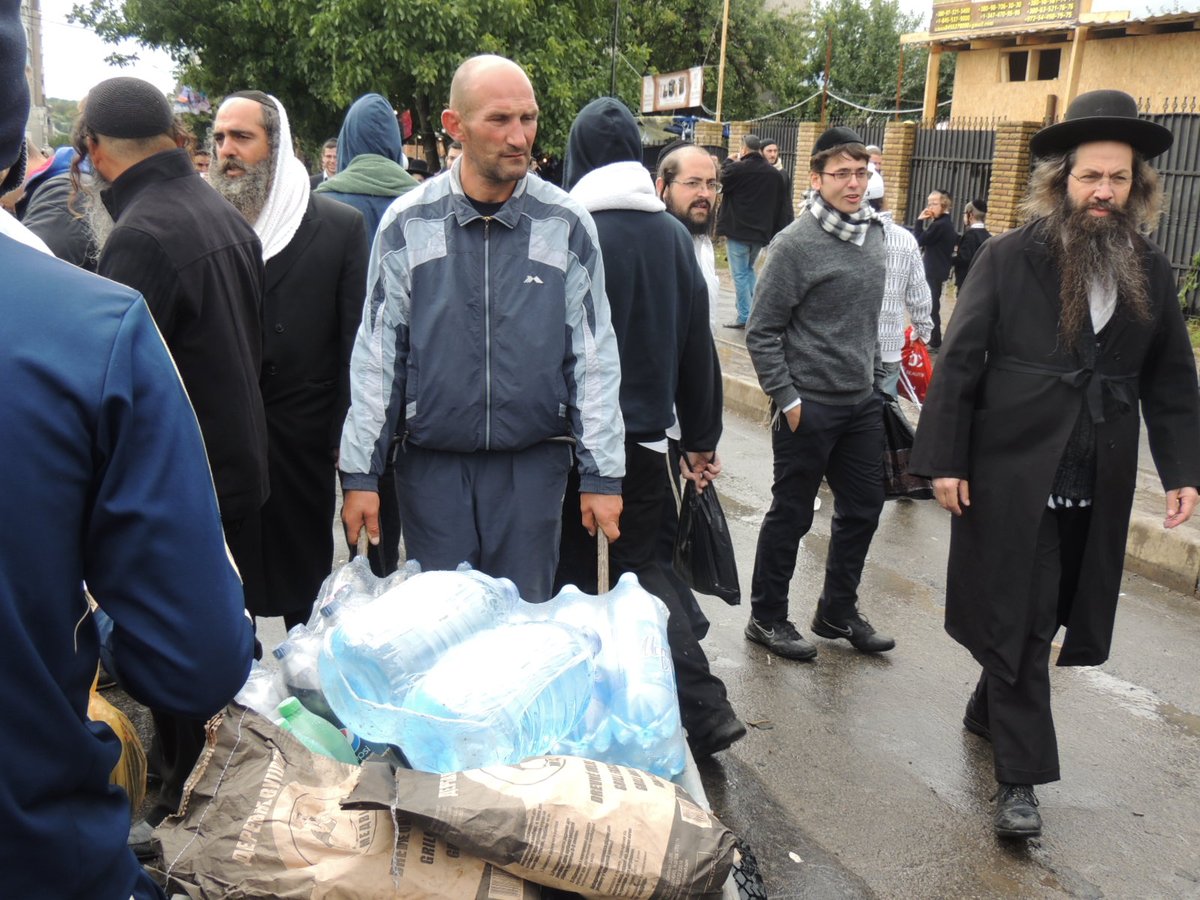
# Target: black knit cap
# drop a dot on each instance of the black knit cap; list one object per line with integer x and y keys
{"x": 835, "y": 137}
{"x": 127, "y": 107}
{"x": 14, "y": 95}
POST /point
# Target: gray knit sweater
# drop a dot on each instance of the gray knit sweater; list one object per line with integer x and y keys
{"x": 814, "y": 328}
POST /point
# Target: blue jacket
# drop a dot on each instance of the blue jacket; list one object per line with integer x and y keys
{"x": 370, "y": 161}
{"x": 485, "y": 333}
{"x": 104, "y": 480}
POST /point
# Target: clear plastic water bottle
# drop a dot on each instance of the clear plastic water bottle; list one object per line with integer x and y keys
{"x": 263, "y": 690}
{"x": 372, "y": 657}
{"x": 644, "y": 703}
{"x": 298, "y": 664}
{"x": 498, "y": 697}
{"x": 314, "y": 732}
{"x": 592, "y": 735}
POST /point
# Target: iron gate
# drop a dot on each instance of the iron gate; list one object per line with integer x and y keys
{"x": 955, "y": 159}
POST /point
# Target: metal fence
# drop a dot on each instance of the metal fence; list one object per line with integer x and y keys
{"x": 954, "y": 157}
{"x": 783, "y": 132}
{"x": 1179, "y": 173}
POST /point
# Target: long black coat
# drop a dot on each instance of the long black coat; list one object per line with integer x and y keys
{"x": 315, "y": 289}
{"x": 1005, "y": 431}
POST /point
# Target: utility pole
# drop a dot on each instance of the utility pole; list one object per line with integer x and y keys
{"x": 828, "y": 64}
{"x": 721, "y": 68}
{"x": 899, "y": 83}
{"x": 612, "y": 92}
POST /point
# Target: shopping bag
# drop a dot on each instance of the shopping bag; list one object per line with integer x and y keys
{"x": 703, "y": 547}
{"x": 898, "y": 438}
{"x": 916, "y": 366}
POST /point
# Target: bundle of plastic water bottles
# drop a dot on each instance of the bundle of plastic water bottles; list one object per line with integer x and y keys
{"x": 455, "y": 671}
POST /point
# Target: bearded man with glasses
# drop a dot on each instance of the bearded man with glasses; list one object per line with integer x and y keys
{"x": 1030, "y": 430}
{"x": 813, "y": 338}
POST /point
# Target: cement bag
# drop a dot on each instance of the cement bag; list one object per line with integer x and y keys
{"x": 130, "y": 771}
{"x": 565, "y": 822}
{"x": 260, "y": 817}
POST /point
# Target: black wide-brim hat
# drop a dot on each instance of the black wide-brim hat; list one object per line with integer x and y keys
{"x": 1102, "y": 116}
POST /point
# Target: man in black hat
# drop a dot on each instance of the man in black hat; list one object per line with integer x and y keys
{"x": 812, "y": 337}
{"x": 1030, "y": 430}
{"x": 199, "y": 266}
{"x": 756, "y": 204}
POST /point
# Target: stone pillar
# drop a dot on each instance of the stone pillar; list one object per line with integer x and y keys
{"x": 710, "y": 134}
{"x": 1010, "y": 174}
{"x": 899, "y": 144}
{"x": 737, "y": 131}
{"x": 806, "y": 135}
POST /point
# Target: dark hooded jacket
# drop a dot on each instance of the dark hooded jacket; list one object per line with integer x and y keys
{"x": 46, "y": 211}
{"x": 369, "y": 175}
{"x": 657, "y": 294}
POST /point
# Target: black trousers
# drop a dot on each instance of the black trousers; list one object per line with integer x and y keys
{"x": 844, "y": 445}
{"x": 1024, "y": 745}
{"x": 935, "y": 292}
{"x": 646, "y": 490}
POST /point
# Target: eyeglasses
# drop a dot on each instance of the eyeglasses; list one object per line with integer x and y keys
{"x": 694, "y": 184}
{"x": 1120, "y": 181}
{"x": 844, "y": 175}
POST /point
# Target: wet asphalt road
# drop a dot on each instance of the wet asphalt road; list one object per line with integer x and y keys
{"x": 857, "y": 779}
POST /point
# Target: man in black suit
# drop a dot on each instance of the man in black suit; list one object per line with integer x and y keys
{"x": 937, "y": 239}
{"x": 315, "y": 251}
{"x": 328, "y": 163}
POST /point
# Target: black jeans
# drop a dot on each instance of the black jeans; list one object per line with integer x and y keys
{"x": 1024, "y": 744}
{"x": 844, "y": 445}
{"x": 646, "y": 489}
{"x": 935, "y": 294}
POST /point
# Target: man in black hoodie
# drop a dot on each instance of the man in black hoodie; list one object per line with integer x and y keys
{"x": 659, "y": 303}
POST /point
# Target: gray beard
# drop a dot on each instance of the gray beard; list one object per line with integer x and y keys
{"x": 1086, "y": 248}
{"x": 95, "y": 215}
{"x": 248, "y": 192}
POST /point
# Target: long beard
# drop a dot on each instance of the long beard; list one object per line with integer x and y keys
{"x": 248, "y": 192}
{"x": 1088, "y": 248}
{"x": 95, "y": 215}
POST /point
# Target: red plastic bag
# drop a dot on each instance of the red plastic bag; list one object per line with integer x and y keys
{"x": 916, "y": 366}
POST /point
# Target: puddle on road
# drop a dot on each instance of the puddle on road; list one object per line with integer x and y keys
{"x": 1143, "y": 703}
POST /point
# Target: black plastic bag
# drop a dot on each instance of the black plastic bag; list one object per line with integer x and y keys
{"x": 703, "y": 548}
{"x": 898, "y": 436}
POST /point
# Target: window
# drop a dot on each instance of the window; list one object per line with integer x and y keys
{"x": 1047, "y": 64}
{"x": 1017, "y": 65}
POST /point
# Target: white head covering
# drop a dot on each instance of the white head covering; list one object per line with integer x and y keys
{"x": 874, "y": 184}
{"x": 285, "y": 206}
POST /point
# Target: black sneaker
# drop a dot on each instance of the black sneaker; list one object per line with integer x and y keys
{"x": 1016, "y": 813}
{"x": 857, "y": 630}
{"x": 724, "y": 735}
{"x": 781, "y": 638}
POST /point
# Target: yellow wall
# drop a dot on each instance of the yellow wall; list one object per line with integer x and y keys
{"x": 1147, "y": 66}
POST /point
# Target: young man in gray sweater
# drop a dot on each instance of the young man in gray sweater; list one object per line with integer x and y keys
{"x": 812, "y": 336}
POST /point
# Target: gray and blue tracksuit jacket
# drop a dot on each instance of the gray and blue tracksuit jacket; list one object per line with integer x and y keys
{"x": 485, "y": 333}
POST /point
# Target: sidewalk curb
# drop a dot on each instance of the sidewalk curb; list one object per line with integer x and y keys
{"x": 1166, "y": 557}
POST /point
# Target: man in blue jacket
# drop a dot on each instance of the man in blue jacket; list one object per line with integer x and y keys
{"x": 486, "y": 341}
{"x": 105, "y": 470}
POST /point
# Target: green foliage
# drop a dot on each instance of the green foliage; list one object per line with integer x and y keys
{"x": 866, "y": 56}
{"x": 1191, "y": 281}
{"x": 318, "y": 55}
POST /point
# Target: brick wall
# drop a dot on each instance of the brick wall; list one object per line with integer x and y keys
{"x": 1010, "y": 174}
{"x": 899, "y": 143}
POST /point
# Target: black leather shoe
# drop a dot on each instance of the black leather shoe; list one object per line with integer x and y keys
{"x": 781, "y": 638}
{"x": 1016, "y": 813}
{"x": 735, "y": 325}
{"x": 975, "y": 724}
{"x": 726, "y": 733}
{"x": 856, "y": 629}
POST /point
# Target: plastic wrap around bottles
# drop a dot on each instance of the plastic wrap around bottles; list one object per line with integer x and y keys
{"x": 500, "y": 696}
{"x": 633, "y": 718}
{"x": 370, "y": 659}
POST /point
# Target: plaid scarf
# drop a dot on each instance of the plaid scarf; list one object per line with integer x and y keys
{"x": 843, "y": 226}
